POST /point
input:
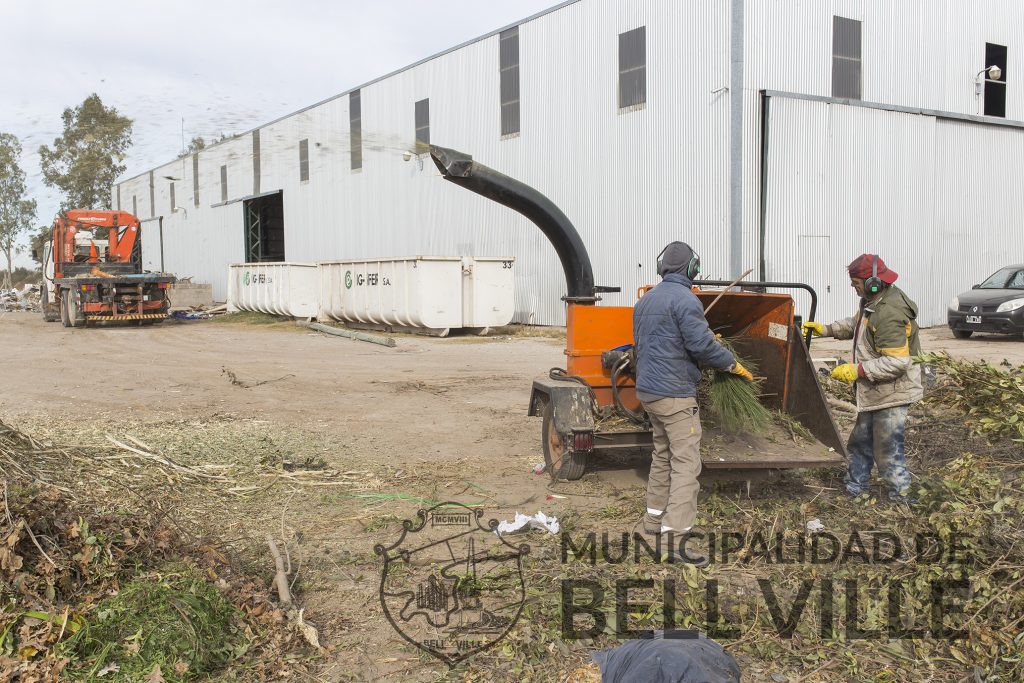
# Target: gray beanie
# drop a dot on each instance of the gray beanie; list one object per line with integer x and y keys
{"x": 675, "y": 258}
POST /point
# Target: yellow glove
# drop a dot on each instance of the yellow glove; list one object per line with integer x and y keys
{"x": 738, "y": 369}
{"x": 815, "y": 328}
{"x": 847, "y": 372}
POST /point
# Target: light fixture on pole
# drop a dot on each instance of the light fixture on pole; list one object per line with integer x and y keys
{"x": 994, "y": 73}
{"x": 408, "y": 155}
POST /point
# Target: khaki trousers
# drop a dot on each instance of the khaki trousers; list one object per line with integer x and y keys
{"x": 675, "y": 463}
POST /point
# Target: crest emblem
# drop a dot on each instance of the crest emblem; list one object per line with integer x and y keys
{"x": 974, "y": 310}
{"x": 450, "y": 585}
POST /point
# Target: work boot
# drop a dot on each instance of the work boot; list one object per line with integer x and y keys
{"x": 670, "y": 551}
{"x": 652, "y": 524}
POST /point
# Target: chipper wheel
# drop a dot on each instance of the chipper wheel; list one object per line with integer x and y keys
{"x": 560, "y": 460}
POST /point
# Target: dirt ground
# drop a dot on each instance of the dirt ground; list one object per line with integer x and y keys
{"x": 430, "y": 420}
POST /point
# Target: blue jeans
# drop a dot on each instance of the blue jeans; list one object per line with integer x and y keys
{"x": 877, "y": 438}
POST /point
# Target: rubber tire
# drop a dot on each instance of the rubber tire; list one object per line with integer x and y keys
{"x": 44, "y": 304}
{"x": 573, "y": 464}
{"x": 963, "y": 334}
{"x": 74, "y": 313}
{"x": 65, "y": 318}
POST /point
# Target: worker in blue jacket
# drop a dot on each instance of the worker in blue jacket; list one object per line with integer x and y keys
{"x": 673, "y": 341}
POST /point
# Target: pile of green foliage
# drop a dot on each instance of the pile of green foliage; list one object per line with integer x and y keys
{"x": 174, "y": 620}
{"x": 991, "y": 398}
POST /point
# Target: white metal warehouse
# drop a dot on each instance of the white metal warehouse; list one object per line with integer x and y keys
{"x": 784, "y": 136}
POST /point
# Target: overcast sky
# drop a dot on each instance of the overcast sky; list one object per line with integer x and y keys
{"x": 225, "y": 66}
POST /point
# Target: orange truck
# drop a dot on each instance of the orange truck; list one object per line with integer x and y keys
{"x": 92, "y": 272}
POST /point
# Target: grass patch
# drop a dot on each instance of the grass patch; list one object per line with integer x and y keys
{"x": 174, "y": 619}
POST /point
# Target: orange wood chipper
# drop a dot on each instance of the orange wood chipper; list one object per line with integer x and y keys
{"x": 590, "y": 408}
{"x": 92, "y": 272}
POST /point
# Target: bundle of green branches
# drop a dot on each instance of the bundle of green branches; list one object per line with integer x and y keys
{"x": 735, "y": 402}
{"x": 990, "y": 397}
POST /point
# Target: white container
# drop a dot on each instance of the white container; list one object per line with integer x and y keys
{"x": 488, "y": 292}
{"x": 415, "y": 292}
{"x": 277, "y": 288}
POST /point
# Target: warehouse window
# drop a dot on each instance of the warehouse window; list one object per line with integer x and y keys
{"x": 422, "y": 125}
{"x": 633, "y": 67}
{"x": 195, "y": 179}
{"x": 173, "y": 204}
{"x": 223, "y": 183}
{"x": 135, "y": 206}
{"x": 509, "y": 64}
{"x": 256, "y": 162}
{"x": 846, "y": 58}
{"x": 152, "y": 196}
{"x": 118, "y": 197}
{"x": 995, "y": 91}
{"x": 355, "y": 128}
{"x": 303, "y": 159}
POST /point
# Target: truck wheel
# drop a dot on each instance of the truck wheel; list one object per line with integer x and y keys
{"x": 50, "y": 312}
{"x": 560, "y": 460}
{"x": 963, "y": 334}
{"x": 75, "y": 311}
{"x": 65, "y": 318}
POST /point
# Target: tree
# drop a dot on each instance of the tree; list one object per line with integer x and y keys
{"x": 85, "y": 161}
{"x": 197, "y": 144}
{"x": 16, "y": 212}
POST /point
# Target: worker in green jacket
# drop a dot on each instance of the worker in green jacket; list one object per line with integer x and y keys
{"x": 885, "y": 340}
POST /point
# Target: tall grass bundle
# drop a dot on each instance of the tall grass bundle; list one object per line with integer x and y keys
{"x": 736, "y": 402}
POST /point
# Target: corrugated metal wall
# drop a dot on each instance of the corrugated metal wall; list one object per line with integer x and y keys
{"x": 630, "y": 181}
{"x": 936, "y": 198}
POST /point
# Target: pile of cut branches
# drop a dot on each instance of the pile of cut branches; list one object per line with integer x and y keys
{"x": 76, "y": 570}
{"x": 990, "y": 397}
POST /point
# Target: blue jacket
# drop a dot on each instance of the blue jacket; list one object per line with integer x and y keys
{"x": 673, "y": 340}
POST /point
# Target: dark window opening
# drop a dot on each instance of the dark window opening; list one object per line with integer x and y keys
{"x": 152, "y": 196}
{"x": 509, "y": 64}
{"x": 264, "y": 228}
{"x": 173, "y": 205}
{"x": 223, "y": 183}
{"x": 422, "y": 125}
{"x": 846, "y": 58}
{"x": 135, "y": 206}
{"x": 633, "y": 67}
{"x": 355, "y": 128}
{"x": 195, "y": 179}
{"x": 118, "y": 197}
{"x": 255, "y": 162}
{"x": 303, "y": 160}
{"x": 995, "y": 90}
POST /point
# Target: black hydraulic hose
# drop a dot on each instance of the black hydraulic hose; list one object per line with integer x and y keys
{"x": 561, "y": 374}
{"x": 616, "y": 371}
{"x": 460, "y": 169}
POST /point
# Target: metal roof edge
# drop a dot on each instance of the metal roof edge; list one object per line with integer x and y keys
{"x": 386, "y": 76}
{"x": 937, "y": 113}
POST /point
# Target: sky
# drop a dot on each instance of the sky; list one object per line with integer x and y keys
{"x": 218, "y": 67}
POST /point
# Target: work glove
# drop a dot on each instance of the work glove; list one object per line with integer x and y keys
{"x": 815, "y": 328}
{"x": 738, "y": 369}
{"x": 847, "y": 372}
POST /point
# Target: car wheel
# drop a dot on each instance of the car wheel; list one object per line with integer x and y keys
{"x": 963, "y": 334}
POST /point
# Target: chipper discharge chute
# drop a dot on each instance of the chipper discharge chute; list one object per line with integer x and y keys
{"x": 591, "y": 406}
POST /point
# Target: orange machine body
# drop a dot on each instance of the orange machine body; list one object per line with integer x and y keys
{"x": 759, "y": 324}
